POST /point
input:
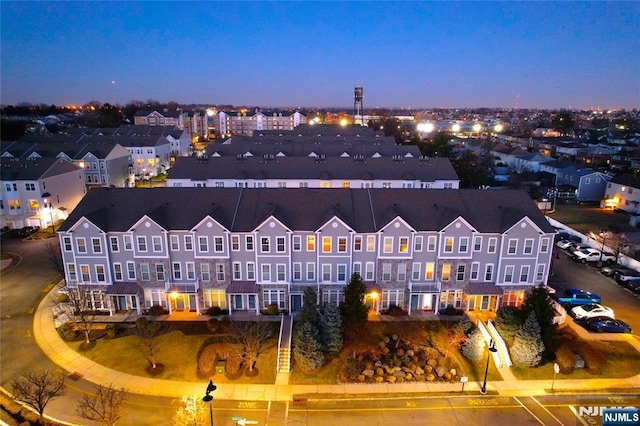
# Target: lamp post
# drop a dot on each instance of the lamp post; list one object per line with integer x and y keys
{"x": 492, "y": 348}
{"x": 46, "y": 198}
{"x": 208, "y": 398}
{"x": 603, "y": 235}
{"x": 556, "y": 370}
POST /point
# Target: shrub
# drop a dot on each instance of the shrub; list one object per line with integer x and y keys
{"x": 273, "y": 309}
{"x": 450, "y": 310}
{"x": 396, "y": 311}
{"x": 214, "y": 311}
{"x": 473, "y": 347}
{"x": 565, "y": 358}
{"x": 68, "y": 332}
{"x": 351, "y": 370}
{"x": 207, "y": 360}
{"x": 62, "y": 298}
{"x": 507, "y": 322}
{"x": 156, "y": 310}
{"x": 232, "y": 366}
{"x": 594, "y": 360}
{"x": 113, "y": 330}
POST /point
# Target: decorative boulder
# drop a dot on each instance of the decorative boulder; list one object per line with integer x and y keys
{"x": 399, "y": 374}
{"x": 410, "y": 353}
{"x": 432, "y": 362}
{"x": 447, "y": 376}
{"x": 391, "y": 379}
{"x": 428, "y": 368}
{"x": 419, "y": 371}
{"x": 453, "y": 372}
{"x": 440, "y": 370}
{"x": 379, "y": 371}
{"x": 368, "y": 373}
{"x": 360, "y": 378}
{"x": 430, "y": 377}
{"x": 379, "y": 379}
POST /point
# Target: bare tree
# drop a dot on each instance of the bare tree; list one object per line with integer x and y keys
{"x": 84, "y": 314}
{"x": 105, "y": 406}
{"x": 147, "y": 331}
{"x": 617, "y": 242}
{"x": 193, "y": 412}
{"x": 38, "y": 388}
{"x": 253, "y": 338}
{"x": 54, "y": 255}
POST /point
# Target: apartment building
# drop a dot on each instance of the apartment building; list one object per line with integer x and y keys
{"x": 245, "y": 249}
{"x": 246, "y": 122}
{"x": 195, "y": 122}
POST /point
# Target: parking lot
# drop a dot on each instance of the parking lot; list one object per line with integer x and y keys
{"x": 568, "y": 273}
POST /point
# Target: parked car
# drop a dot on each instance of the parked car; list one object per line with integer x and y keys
{"x": 588, "y": 254}
{"x": 563, "y": 244}
{"x": 564, "y": 235}
{"x": 623, "y": 275}
{"x": 573, "y": 247}
{"x": 609, "y": 270}
{"x": 633, "y": 284}
{"x": 591, "y": 310}
{"x": 27, "y": 230}
{"x": 577, "y": 297}
{"x": 607, "y": 325}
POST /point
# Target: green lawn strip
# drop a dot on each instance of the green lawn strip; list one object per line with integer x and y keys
{"x": 586, "y": 219}
{"x": 622, "y": 361}
{"x": 176, "y": 351}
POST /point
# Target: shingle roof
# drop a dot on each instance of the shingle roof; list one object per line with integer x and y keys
{"x": 242, "y": 210}
{"x": 627, "y": 179}
{"x": 23, "y": 169}
{"x": 425, "y": 170}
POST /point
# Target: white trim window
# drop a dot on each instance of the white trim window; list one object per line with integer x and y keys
{"x": 191, "y": 270}
{"x": 477, "y": 243}
{"x": 237, "y": 271}
{"x": 488, "y": 272}
{"x": 218, "y": 244}
{"x": 235, "y": 243}
{"x": 175, "y": 242}
{"x": 311, "y": 271}
{"x": 131, "y": 270}
{"x": 251, "y": 271}
{"x": 160, "y": 272}
{"x": 369, "y": 271}
{"x": 157, "y": 244}
{"x": 475, "y": 271}
{"x": 513, "y": 246}
{"x": 415, "y": 271}
{"x": 177, "y": 271}
{"x": 188, "y": 243}
{"x": 141, "y": 243}
{"x": 387, "y": 245}
{"x": 203, "y": 244}
{"x": 463, "y": 245}
{"x": 145, "y": 273}
{"x": 117, "y": 272}
{"x": 528, "y": 246}
{"x": 96, "y": 245}
{"x": 357, "y": 243}
{"x": 417, "y": 243}
{"x": 431, "y": 243}
{"x": 297, "y": 271}
{"x": 448, "y": 244}
{"x": 508, "y": 273}
{"x": 220, "y": 272}
{"x": 205, "y": 272}
{"x": 493, "y": 242}
{"x": 81, "y": 245}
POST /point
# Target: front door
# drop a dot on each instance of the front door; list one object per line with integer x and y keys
{"x": 296, "y": 302}
{"x": 180, "y": 302}
{"x": 237, "y": 302}
{"x": 121, "y": 303}
{"x": 414, "y": 302}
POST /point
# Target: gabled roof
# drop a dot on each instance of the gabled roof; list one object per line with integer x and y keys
{"x": 626, "y": 179}
{"x": 24, "y": 169}
{"x": 303, "y": 209}
{"x": 308, "y": 168}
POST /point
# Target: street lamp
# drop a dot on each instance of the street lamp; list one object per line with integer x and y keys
{"x": 556, "y": 370}
{"x": 208, "y": 398}
{"x": 603, "y": 234}
{"x": 46, "y": 198}
{"x": 492, "y": 348}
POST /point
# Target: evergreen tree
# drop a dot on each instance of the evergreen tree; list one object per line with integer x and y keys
{"x": 527, "y": 346}
{"x": 473, "y": 347}
{"x": 331, "y": 329}
{"x": 309, "y": 311}
{"x": 507, "y": 322}
{"x": 539, "y": 302}
{"x": 306, "y": 347}
{"x": 354, "y": 310}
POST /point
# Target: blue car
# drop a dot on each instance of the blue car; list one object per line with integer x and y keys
{"x": 607, "y": 325}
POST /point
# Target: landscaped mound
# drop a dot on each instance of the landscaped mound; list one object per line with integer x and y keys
{"x": 396, "y": 360}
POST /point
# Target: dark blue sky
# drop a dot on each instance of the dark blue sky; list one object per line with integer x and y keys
{"x": 418, "y": 54}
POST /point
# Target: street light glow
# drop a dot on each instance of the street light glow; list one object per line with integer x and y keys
{"x": 477, "y": 127}
{"x": 455, "y": 128}
{"x": 498, "y": 128}
{"x": 425, "y": 127}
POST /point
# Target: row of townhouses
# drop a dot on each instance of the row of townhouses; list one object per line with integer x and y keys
{"x": 313, "y": 172}
{"x": 245, "y": 249}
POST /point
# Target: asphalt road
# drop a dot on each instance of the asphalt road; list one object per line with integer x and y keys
{"x": 624, "y": 302}
{"x": 27, "y": 281}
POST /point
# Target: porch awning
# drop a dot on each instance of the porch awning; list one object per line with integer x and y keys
{"x": 122, "y": 289}
{"x": 372, "y": 286}
{"x": 424, "y": 288}
{"x": 243, "y": 287}
{"x": 483, "y": 289}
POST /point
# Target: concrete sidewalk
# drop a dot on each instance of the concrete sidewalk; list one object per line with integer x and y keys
{"x": 57, "y": 350}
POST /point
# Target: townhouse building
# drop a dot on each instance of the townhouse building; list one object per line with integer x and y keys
{"x": 245, "y": 249}
{"x": 38, "y": 191}
{"x": 104, "y": 164}
{"x": 623, "y": 193}
{"x": 313, "y": 172}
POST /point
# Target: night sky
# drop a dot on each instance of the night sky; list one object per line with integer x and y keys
{"x": 405, "y": 54}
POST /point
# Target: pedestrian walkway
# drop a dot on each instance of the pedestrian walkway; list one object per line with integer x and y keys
{"x": 57, "y": 350}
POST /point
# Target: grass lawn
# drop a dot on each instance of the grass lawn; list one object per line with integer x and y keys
{"x": 622, "y": 361}
{"x": 178, "y": 353}
{"x": 586, "y": 218}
